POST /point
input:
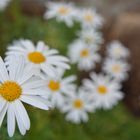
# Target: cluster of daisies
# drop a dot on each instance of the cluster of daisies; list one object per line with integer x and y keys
{"x": 35, "y": 74}
{"x": 102, "y": 90}
{"x": 31, "y": 74}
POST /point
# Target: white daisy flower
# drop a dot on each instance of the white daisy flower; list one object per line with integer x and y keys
{"x": 40, "y": 57}
{"x": 63, "y": 12}
{"x": 83, "y": 55}
{"x": 77, "y": 105}
{"x": 58, "y": 86}
{"x": 105, "y": 91}
{"x": 116, "y": 69}
{"x": 89, "y": 18}
{"x": 91, "y": 37}
{"x": 3, "y": 4}
{"x": 116, "y": 50}
{"x": 16, "y": 87}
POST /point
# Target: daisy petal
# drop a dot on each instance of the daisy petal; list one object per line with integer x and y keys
{"x": 35, "y": 101}
{"x": 22, "y": 114}
{"x": 21, "y": 126}
{"x": 2, "y": 113}
{"x": 3, "y": 71}
{"x": 11, "y": 120}
{"x": 2, "y": 103}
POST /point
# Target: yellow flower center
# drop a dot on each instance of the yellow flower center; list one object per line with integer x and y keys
{"x": 54, "y": 85}
{"x": 89, "y": 17}
{"x": 116, "y": 68}
{"x": 78, "y": 104}
{"x": 84, "y": 53}
{"x": 36, "y": 57}
{"x": 10, "y": 91}
{"x": 63, "y": 10}
{"x": 102, "y": 89}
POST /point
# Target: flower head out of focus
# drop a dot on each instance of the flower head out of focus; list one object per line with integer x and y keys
{"x": 77, "y": 105}
{"x": 59, "y": 86}
{"x": 91, "y": 37}
{"x": 89, "y": 18}
{"x": 40, "y": 57}
{"x": 116, "y": 69}
{"x": 105, "y": 91}
{"x": 17, "y": 86}
{"x": 69, "y": 13}
{"x": 82, "y": 55}
{"x": 3, "y": 4}
{"x": 61, "y": 11}
{"x": 117, "y": 51}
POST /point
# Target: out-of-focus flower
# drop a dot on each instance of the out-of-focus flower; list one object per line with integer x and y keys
{"x": 63, "y": 12}
{"x": 40, "y": 57}
{"x": 91, "y": 37}
{"x": 77, "y": 105}
{"x": 89, "y": 18}
{"x": 83, "y": 55}
{"x": 105, "y": 92}
{"x": 116, "y": 69}
{"x": 16, "y": 86}
{"x": 117, "y": 51}
{"x": 3, "y": 4}
{"x": 58, "y": 86}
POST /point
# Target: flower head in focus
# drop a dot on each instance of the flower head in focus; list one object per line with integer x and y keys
{"x": 40, "y": 57}
{"x": 17, "y": 86}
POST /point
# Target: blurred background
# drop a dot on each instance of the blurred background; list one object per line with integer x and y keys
{"x": 24, "y": 19}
